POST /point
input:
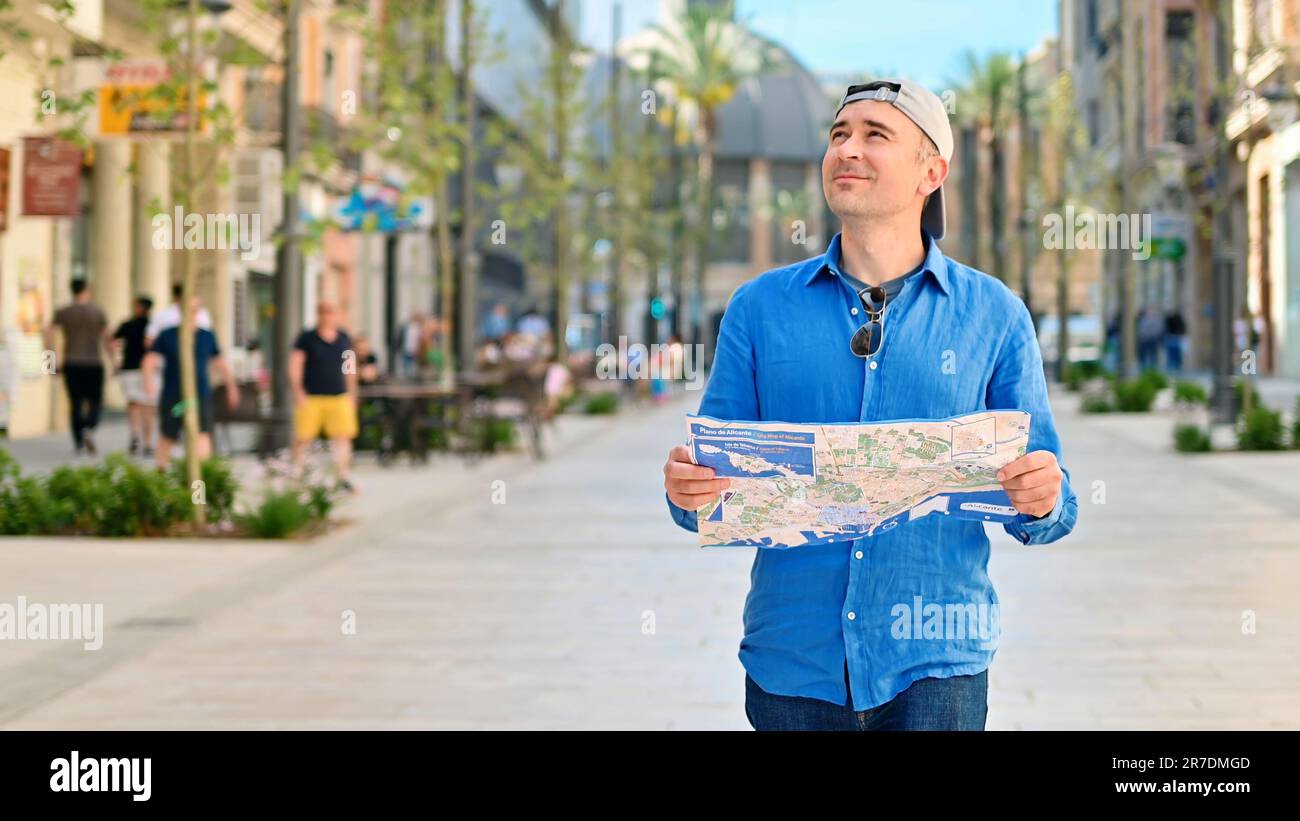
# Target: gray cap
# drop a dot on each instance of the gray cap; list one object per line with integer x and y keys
{"x": 923, "y": 107}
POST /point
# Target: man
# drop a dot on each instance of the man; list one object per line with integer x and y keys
{"x": 1150, "y": 333}
{"x": 170, "y": 317}
{"x": 130, "y": 339}
{"x": 1175, "y": 340}
{"x": 84, "y": 326}
{"x": 171, "y": 420}
{"x": 323, "y": 375}
{"x": 818, "y": 647}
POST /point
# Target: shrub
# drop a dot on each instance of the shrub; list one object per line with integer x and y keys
{"x": 1096, "y": 403}
{"x": 1261, "y": 429}
{"x": 602, "y": 403}
{"x": 1295, "y": 426}
{"x": 219, "y": 486}
{"x": 1154, "y": 378}
{"x": 1135, "y": 395}
{"x": 1190, "y": 393}
{"x": 1242, "y": 388}
{"x": 1077, "y": 373}
{"x": 491, "y": 433}
{"x": 1191, "y": 439}
{"x": 277, "y": 516}
{"x": 25, "y": 506}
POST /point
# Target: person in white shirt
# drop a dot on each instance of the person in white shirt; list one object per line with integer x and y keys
{"x": 170, "y": 317}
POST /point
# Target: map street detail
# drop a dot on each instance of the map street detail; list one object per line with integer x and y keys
{"x": 797, "y": 484}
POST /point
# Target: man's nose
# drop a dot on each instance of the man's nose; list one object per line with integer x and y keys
{"x": 850, "y": 149}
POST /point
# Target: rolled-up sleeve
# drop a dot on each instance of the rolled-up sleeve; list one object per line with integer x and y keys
{"x": 731, "y": 392}
{"x": 1018, "y": 382}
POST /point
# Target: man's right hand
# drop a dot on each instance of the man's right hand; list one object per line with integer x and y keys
{"x": 299, "y": 398}
{"x": 690, "y": 486}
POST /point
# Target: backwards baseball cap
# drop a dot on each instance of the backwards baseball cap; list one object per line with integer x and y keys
{"x": 923, "y": 107}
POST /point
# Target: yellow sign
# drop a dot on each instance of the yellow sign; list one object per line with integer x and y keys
{"x": 138, "y": 109}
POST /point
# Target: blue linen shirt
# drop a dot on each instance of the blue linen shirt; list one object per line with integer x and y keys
{"x": 955, "y": 341}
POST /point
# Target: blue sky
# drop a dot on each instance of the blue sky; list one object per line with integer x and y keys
{"x": 922, "y": 39}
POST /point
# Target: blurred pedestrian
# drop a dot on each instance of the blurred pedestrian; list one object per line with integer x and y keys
{"x": 324, "y": 391}
{"x": 85, "y": 342}
{"x": 169, "y": 316}
{"x": 367, "y": 362}
{"x": 129, "y": 338}
{"x": 1150, "y": 333}
{"x": 1175, "y": 340}
{"x": 497, "y": 322}
{"x": 165, "y": 351}
{"x": 407, "y": 345}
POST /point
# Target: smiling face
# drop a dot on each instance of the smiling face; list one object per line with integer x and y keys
{"x": 878, "y": 164}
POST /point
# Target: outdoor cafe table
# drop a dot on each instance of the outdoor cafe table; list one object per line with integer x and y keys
{"x": 400, "y": 404}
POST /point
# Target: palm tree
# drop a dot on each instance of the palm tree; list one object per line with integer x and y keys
{"x": 990, "y": 86}
{"x": 703, "y": 56}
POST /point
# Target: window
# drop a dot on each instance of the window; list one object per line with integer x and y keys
{"x": 1180, "y": 73}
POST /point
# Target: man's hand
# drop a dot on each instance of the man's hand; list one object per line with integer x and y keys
{"x": 232, "y": 396}
{"x": 1033, "y": 482}
{"x": 690, "y": 486}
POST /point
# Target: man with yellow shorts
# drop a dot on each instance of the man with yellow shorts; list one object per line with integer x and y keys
{"x": 323, "y": 375}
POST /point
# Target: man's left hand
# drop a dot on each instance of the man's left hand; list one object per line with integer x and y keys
{"x": 1033, "y": 482}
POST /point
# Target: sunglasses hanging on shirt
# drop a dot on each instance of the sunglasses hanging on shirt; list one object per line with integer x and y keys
{"x": 866, "y": 340}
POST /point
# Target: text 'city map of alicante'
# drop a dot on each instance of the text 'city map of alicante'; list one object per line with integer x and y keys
{"x": 797, "y": 484}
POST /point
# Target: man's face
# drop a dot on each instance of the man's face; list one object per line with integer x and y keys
{"x": 326, "y": 315}
{"x": 871, "y": 168}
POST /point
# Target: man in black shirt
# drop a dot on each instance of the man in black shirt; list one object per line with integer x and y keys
{"x": 129, "y": 340}
{"x": 323, "y": 375}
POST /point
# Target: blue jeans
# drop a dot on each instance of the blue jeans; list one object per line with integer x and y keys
{"x": 956, "y": 703}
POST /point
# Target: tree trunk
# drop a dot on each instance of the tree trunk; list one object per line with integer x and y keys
{"x": 559, "y": 74}
{"x": 442, "y": 227}
{"x": 189, "y": 386}
{"x": 468, "y": 257}
{"x": 703, "y": 226}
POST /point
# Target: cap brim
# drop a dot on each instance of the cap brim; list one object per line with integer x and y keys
{"x": 933, "y": 221}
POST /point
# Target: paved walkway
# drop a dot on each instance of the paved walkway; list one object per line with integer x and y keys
{"x": 578, "y": 604}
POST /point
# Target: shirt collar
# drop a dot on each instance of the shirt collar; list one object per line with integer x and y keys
{"x": 935, "y": 262}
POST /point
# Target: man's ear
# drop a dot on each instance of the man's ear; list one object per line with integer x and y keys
{"x": 936, "y": 171}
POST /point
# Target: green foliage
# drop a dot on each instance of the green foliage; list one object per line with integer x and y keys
{"x": 279, "y": 515}
{"x": 1191, "y": 439}
{"x": 602, "y": 403}
{"x": 1260, "y": 429}
{"x": 1157, "y": 380}
{"x": 1189, "y": 393}
{"x": 492, "y": 434}
{"x": 117, "y": 497}
{"x": 1295, "y": 426}
{"x": 1243, "y": 389}
{"x": 219, "y": 486}
{"x": 1077, "y": 373}
{"x": 1096, "y": 403}
{"x": 1135, "y": 395}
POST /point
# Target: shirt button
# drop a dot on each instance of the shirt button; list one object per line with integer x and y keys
{"x": 853, "y": 311}
{"x": 872, "y": 365}
{"x": 852, "y": 615}
{"x": 858, "y": 555}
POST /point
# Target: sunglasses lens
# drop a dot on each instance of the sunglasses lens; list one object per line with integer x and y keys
{"x": 866, "y": 341}
{"x": 875, "y": 299}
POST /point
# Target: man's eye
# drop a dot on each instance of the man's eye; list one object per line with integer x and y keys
{"x": 873, "y": 132}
